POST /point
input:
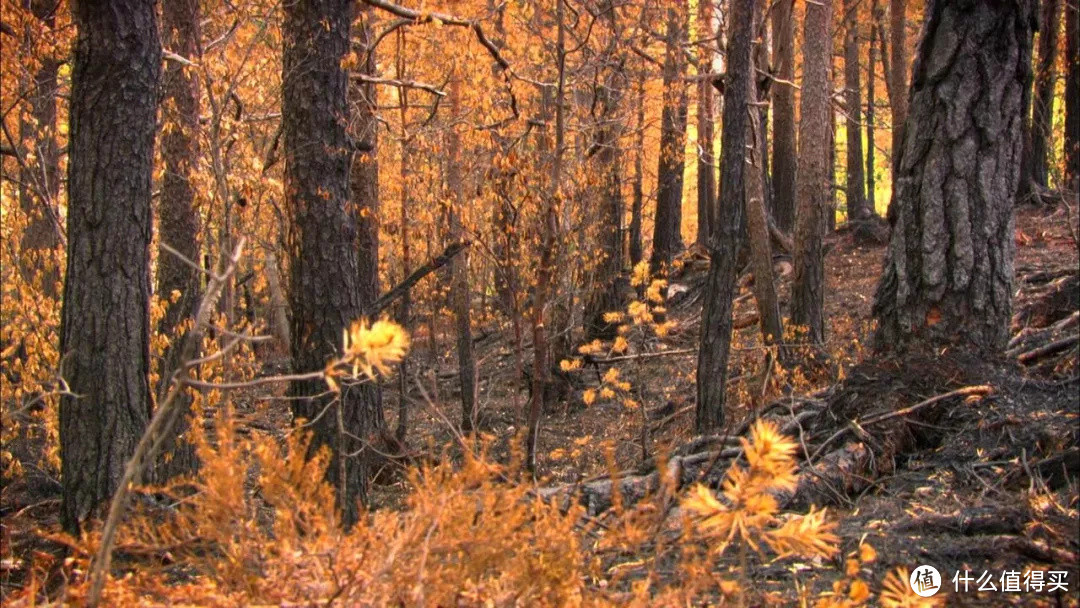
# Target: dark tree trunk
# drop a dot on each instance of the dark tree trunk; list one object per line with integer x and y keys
{"x": 949, "y": 266}
{"x": 757, "y": 224}
{"x": 813, "y": 185}
{"x": 325, "y": 293}
{"x": 724, "y": 242}
{"x": 706, "y": 169}
{"x": 783, "y": 111}
{"x": 636, "y": 253}
{"x": 364, "y": 186}
{"x": 1072, "y": 95}
{"x": 605, "y": 293}
{"x": 105, "y": 320}
{"x": 459, "y": 282}
{"x": 871, "y": 116}
{"x": 1042, "y": 109}
{"x": 404, "y": 310}
{"x": 855, "y": 196}
{"x": 667, "y": 235}
{"x": 898, "y": 75}
{"x": 40, "y": 179}
{"x": 178, "y": 218}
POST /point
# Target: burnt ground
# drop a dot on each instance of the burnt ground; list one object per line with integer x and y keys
{"x": 989, "y": 484}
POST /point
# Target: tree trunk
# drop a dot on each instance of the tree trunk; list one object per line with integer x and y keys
{"x": 757, "y": 222}
{"x": 898, "y": 76}
{"x": 855, "y": 196}
{"x": 949, "y": 266}
{"x": 364, "y": 186}
{"x": 325, "y": 293}
{"x": 105, "y": 319}
{"x": 548, "y": 245}
{"x": 1072, "y": 95}
{"x": 459, "y": 282}
{"x": 783, "y": 102}
{"x": 871, "y": 116}
{"x": 706, "y": 171}
{"x": 404, "y": 309}
{"x": 813, "y": 184}
{"x": 724, "y": 243}
{"x": 178, "y": 221}
{"x": 667, "y": 235}
{"x": 636, "y": 253}
{"x": 1042, "y": 109}
{"x": 605, "y": 296}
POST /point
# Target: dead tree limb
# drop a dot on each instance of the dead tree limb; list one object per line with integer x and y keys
{"x": 401, "y": 288}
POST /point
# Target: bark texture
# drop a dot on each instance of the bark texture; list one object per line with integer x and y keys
{"x": 667, "y": 235}
{"x": 757, "y": 224}
{"x": 706, "y": 165}
{"x": 949, "y": 265}
{"x": 178, "y": 217}
{"x": 813, "y": 181}
{"x": 364, "y": 184}
{"x": 459, "y": 282}
{"x": 605, "y": 295}
{"x": 1042, "y": 109}
{"x": 638, "y": 201}
{"x": 783, "y": 111}
{"x": 1072, "y": 95}
{"x": 855, "y": 194}
{"x": 325, "y": 291}
{"x": 105, "y": 319}
{"x": 898, "y": 74}
{"x": 871, "y": 115}
{"x": 724, "y": 242}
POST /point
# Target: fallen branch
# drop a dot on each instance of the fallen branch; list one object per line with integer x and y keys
{"x": 1050, "y": 349}
{"x": 960, "y": 392}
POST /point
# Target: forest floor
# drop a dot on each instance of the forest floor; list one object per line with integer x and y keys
{"x": 977, "y": 484}
{"x": 983, "y": 486}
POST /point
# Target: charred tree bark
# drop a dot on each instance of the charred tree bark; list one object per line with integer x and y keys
{"x": 364, "y": 192}
{"x": 783, "y": 102}
{"x": 706, "y": 171}
{"x": 548, "y": 254}
{"x": 871, "y": 115}
{"x": 1072, "y": 95}
{"x": 854, "y": 193}
{"x": 949, "y": 266}
{"x": 325, "y": 294}
{"x": 813, "y": 184}
{"x": 898, "y": 75}
{"x": 605, "y": 296}
{"x": 667, "y": 235}
{"x": 724, "y": 242}
{"x": 105, "y": 318}
{"x": 178, "y": 217}
{"x": 757, "y": 222}
{"x": 1042, "y": 109}
{"x": 459, "y": 282}
{"x": 636, "y": 253}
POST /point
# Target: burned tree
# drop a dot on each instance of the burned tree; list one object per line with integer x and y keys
{"x": 105, "y": 318}
{"x": 949, "y": 266}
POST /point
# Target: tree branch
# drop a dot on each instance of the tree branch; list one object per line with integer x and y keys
{"x": 401, "y": 288}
